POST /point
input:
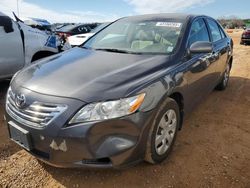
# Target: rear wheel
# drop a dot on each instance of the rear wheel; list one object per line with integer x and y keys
{"x": 163, "y": 132}
{"x": 224, "y": 82}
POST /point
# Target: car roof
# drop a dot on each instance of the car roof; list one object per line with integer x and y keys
{"x": 162, "y": 16}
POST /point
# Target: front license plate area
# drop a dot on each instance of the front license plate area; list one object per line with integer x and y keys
{"x": 20, "y": 136}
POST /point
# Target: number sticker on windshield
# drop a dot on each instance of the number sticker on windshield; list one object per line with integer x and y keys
{"x": 169, "y": 24}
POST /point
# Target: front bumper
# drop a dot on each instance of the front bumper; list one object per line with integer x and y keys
{"x": 112, "y": 143}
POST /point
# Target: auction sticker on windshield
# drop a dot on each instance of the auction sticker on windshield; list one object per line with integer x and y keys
{"x": 169, "y": 24}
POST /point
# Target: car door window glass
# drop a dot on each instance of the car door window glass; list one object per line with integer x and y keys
{"x": 222, "y": 33}
{"x": 215, "y": 31}
{"x": 198, "y": 32}
{"x": 82, "y": 29}
{"x": 6, "y": 24}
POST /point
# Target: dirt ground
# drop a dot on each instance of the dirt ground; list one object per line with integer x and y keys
{"x": 212, "y": 150}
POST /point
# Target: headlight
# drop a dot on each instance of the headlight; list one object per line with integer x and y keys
{"x": 108, "y": 110}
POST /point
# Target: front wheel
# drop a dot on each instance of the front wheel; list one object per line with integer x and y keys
{"x": 163, "y": 132}
{"x": 224, "y": 82}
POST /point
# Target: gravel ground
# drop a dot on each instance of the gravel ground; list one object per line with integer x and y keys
{"x": 212, "y": 150}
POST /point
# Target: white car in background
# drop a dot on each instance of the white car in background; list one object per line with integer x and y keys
{"x": 21, "y": 45}
{"x": 79, "y": 39}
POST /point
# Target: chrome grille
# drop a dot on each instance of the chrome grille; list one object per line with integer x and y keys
{"x": 36, "y": 115}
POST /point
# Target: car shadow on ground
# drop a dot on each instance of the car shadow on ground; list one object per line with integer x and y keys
{"x": 3, "y": 88}
{"x": 238, "y": 90}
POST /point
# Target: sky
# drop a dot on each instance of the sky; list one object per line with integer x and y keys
{"x": 109, "y": 10}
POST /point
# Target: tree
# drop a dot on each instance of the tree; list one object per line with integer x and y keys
{"x": 231, "y": 22}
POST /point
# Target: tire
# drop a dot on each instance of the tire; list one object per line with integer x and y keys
{"x": 224, "y": 82}
{"x": 168, "y": 116}
{"x": 43, "y": 164}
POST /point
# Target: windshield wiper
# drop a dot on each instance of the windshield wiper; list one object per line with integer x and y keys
{"x": 116, "y": 50}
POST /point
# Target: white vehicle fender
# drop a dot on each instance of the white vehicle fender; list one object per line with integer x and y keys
{"x": 36, "y": 41}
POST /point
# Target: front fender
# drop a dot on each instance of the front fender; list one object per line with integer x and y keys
{"x": 174, "y": 82}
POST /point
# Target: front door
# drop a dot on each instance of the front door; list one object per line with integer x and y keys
{"x": 11, "y": 48}
{"x": 200, "y": 67}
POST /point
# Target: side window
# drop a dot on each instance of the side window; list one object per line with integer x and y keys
{"x": 198, "y": 32}
{"x": 6, "y": 24}
{"x": 80, "y": 29}
{"x": 222, "y": 33}
{"x": 215, "y": 31}
{"x": 92, "y": 26}
{"x": 83, "y": 29}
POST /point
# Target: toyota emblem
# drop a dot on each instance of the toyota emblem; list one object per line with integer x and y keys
{"x": 20, "y": 100}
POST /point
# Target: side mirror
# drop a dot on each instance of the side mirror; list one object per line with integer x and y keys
{"x": 201, "y": 47}
{"x": 6, "y": 22}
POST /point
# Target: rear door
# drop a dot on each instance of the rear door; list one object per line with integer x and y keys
{"x": 11, "y": 48}
{"x": 221, "y": 46}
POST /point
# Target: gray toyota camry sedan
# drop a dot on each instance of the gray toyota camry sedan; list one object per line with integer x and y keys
{"x": 121, "y": 97}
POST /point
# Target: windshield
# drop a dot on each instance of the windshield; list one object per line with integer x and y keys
{"x": 137, "y": 37}
{"x": 100, "y": 27}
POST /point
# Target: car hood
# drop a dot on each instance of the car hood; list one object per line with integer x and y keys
{"x": 91, "y": 75}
